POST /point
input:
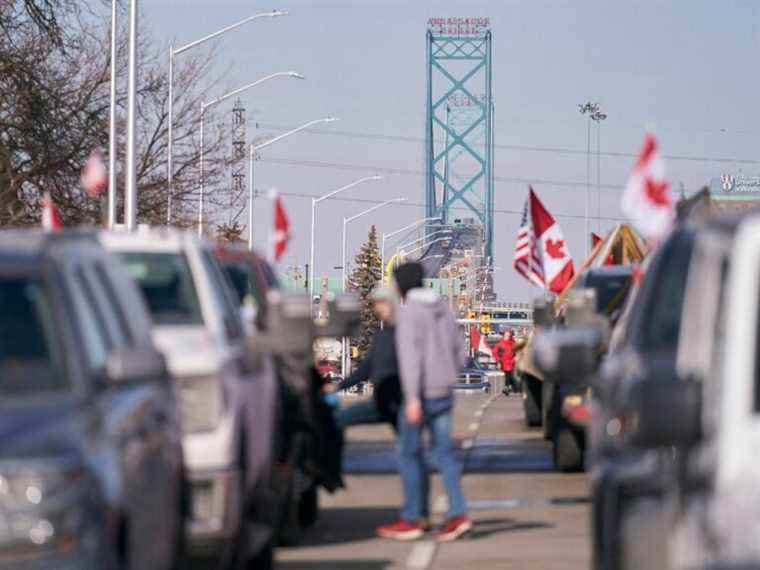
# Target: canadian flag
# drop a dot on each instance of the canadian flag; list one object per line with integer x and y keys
{"x": 51, "y": 219}
{"x": 647, "y": 199}
{"x": 281, "y": 228}
{"x": 94, "y": 177}
{"x": 541, "y": 254}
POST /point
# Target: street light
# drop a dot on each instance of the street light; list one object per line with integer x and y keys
{"x": 265, "y": 144}
{"x": 589, "y": 109}
{"x": 314, "y": 202}
{"x": 395, "y": 233}
{"x": 345, "y": 356}
{"x": 214, "y": 103}
{"x": 112, "y": 126}
{"x": 130, "y": 192}
{"x": 598, "y": 117}
{"x": 172, "y": 54}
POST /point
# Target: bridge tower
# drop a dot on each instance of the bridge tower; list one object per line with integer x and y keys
{"x": 459, "y": 126}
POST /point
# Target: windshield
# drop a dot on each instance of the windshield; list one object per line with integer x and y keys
{"x": 611, "y": 290}
{"x": 661, "y": 319}
{"x": 30, "y": 356}
{"x": 167, "y": 286}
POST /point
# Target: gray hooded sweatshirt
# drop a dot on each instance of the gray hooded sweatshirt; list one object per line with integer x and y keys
{"x": 430, "y": 349}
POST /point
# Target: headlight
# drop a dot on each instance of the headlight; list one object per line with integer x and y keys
{"x": 42, "y": 507}
{"x": 201, "y": 403}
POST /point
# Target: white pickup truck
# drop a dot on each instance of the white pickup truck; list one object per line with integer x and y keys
{"x": 227, "y": 399}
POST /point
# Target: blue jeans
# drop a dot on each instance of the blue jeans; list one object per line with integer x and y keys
{"x": 359, "y": 413}
{"x": 437, "y": 417}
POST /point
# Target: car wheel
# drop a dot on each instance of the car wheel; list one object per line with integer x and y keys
{"x": 531, "y": 395}
{"x": 264, "y": 560}
{"x": 308, "y": 507}
{"x": 549, "y": 409}
{"x": 567, "y": 449}
{"x": 179, "y": 557}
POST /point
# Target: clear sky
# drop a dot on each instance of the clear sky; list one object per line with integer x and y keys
{"x": 683, "y": 67}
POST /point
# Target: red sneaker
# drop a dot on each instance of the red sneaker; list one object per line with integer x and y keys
{"x": 453, "y": 529}
{"x": 401, "y": 530}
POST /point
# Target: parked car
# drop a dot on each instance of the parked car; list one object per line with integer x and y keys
{"x": 307, "y": 442}
{"x": 227, "y": 396}
{"x": 565, "y": 404}
{"x": 629, "y": 482}
{"x": 702, "y": 413}
{"x": 91, "y": 469}
{"x": 474, "y": 376}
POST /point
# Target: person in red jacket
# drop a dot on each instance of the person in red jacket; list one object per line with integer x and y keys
{"x": 505, "y": 352}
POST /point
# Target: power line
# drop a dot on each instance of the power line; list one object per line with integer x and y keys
{"x": 413, "y": 172}
{"x": 554, "y": 150}
{"x": 406, "y": 204}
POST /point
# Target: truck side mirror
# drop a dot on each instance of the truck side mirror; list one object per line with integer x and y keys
{"x": 667, "y": 411}
{"x": 567, "y": 355}
{"x": 345, "y": 317}
{"x": 543, "y": 312}
{"x": 289, "y": 324}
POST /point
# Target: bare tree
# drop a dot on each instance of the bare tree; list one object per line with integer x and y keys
{"x": 54, "y": 103}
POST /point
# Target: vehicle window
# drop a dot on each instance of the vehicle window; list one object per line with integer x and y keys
{"x": 113, "y": 304}
{"x": 611, "y": 291}
{"x": 662, "y": 317}
{"x": 222, "y": 291}
{"x": 167, "y": 286}
{"x": 89, "y": 323}
{"x": 115, "y": 332}
{"x": 241, "y": 279}
{"x": 30, "y": 354}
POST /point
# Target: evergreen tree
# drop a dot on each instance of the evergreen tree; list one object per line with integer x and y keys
{"x": 364, "y": 278}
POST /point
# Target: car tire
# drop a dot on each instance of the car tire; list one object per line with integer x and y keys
{"x": 549, "y": 409}
{"x": 308, "y": 507}
{"x": 567, "y": 449}
{"x": 263, "y": 560}
{"x": 179, "y": 556}
{"x": 531, "y": 395}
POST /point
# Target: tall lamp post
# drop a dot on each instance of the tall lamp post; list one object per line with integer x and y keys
{"x": 112, "y": 125}
{"x": 345, "y": 362}
{"x": 395, "y": 233}
{"x": 589, "y": 108}
{"x": 130, "y": 192}
{"x": 254, "y": 148}
{"x": 215, "y": 102}
{"x": 172, "y": 54}
{"x": 314, "y": 202}
{"x": 598, "y": 117}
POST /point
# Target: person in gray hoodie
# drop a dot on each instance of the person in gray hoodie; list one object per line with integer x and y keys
{"x": 431, "y": 354}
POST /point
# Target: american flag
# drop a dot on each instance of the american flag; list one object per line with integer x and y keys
{"x": 527, "y": 262}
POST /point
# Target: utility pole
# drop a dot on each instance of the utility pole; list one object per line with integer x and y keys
{"x": 112, "y": 126}
{"x": 130, "y": 202}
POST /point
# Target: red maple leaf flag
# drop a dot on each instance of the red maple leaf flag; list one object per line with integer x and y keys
{"x": 281, "y": 228}
{"x": 647, "y": 199}
{"x": 541, "y": 253}
{"x": 94, "y": 175}
{"x": 51, "y": 219}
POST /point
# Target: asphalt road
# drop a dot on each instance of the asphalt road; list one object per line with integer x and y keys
{"x": 527, "y": 517}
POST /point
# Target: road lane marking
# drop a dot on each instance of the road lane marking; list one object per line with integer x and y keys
{"x": 421, "y": 556}
{"x": 479, "y": 413}
{"x": 474, "y": 426}
{"x": 499, "y": 504}
{"x": 467, "y": 444}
